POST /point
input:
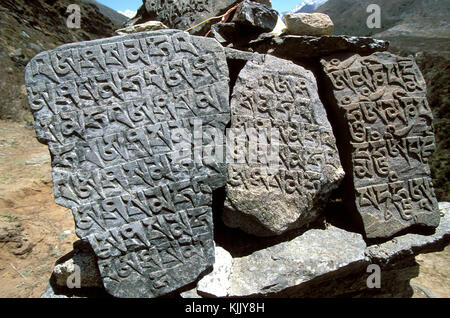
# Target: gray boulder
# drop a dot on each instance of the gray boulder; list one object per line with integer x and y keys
{"x": 296, "y": 47}
{"x": 259, "y": 17}
{"x": 283, "y": 266}
{"x": 217, "y": 283}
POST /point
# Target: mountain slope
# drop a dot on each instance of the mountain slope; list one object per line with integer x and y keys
{"x": 28, "y": 27}
{"x": 427, "y": 18}
{"x": 113, "y": 15}
{"x": 308, "y": 6}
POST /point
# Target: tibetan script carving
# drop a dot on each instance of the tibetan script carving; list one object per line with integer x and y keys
{"x": 128, "y": 122}
{"x": 284, "y": 168}
{"x": 387, "y": 126}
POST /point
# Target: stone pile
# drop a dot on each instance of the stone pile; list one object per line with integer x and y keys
{"x": 193, "y": 168}
{"x": 182, "y": 14}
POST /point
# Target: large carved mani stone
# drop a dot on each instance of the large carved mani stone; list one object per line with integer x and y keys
{"x": 123, "y": 118}
{"x": 386, "y": 139}
{"x": 284, "y": 181}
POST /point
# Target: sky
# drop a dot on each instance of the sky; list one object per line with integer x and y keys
{"x": 129, "y": 7}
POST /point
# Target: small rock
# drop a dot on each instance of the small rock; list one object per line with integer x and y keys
{"x": 10, "y": 231}
{"x": 35, "y": 47}
{"x": 444, "y": 208}
{"x": 19, "y": 57}
{"x": 233, "y": 54}
{"x": 39, "y": 159}
{"x": 234, "y": 34}
{"x": 315, "y": 24}
{"x": 16, "y": 53}
{"x": 25, "y": 34}
{"x": 22, "y": 248}
{"x": 217, "y": 282}
{"x": 256, "y": 15}
{"x": 147, "y": 26}
{"x": 64, "y": 234}
{"x": 190, "y": 294}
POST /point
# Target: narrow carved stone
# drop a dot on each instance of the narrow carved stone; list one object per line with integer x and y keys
{"x": 125, "y": 120}
{"x": 386, "y": 138}
{"x": 283, "y": 161}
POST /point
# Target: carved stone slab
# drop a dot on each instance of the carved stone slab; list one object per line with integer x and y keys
{"x": 284, "y": 184}
{"x": 182, "y": 14}
{"x": 125, "y": 119}
{"x": 387, "y": 133}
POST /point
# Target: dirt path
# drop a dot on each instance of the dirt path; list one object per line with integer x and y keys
{"x": 434, "y": 276}
{"x": 35, "y": 232}
{"x": 34, "y": 229}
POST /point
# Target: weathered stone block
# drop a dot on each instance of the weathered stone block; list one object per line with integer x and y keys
{"x": 275, "y": 270}
{"x": 296, "y": 47}
{"x": 386, "y": 139}
{"x": 283, "y": 162}
{"x": 314, "y": 24}
{"x": 182, "y": 14}
{"x": 125, "y": 119}
{"x": 257, "y": 16}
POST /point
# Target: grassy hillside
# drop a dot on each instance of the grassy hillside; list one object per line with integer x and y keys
{"x": 436, "y": 70}
{"x": 28, "y": 27}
